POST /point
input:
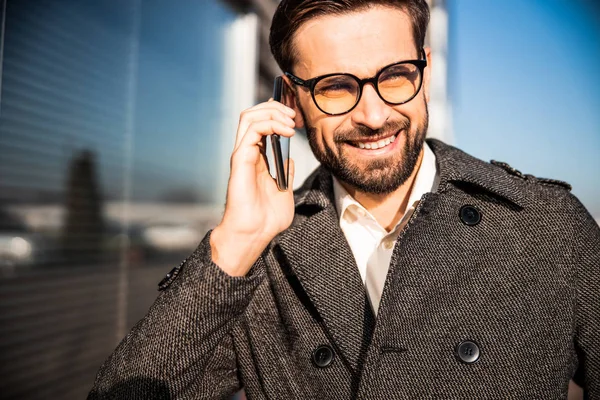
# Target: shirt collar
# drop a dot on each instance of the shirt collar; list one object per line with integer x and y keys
{"x": 455, "y": 168}
{"x": 426, "y": 181}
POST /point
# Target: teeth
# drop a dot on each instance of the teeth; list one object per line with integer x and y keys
{"x": 376, "y": 145}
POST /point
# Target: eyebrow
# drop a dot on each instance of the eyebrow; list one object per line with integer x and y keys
{"x": 371, "y": 76}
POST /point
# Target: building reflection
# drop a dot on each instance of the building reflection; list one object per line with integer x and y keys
{"x": 83, "y": 229}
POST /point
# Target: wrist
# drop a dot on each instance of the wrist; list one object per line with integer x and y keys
{"x": 235, "y": 252}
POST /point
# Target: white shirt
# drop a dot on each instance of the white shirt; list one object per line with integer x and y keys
{"x": 370, "y": 243}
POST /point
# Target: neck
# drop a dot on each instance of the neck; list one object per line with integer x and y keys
{"x": 388, "y": 208}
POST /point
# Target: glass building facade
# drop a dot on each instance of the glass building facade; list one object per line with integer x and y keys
{"x": 117, "y": 118}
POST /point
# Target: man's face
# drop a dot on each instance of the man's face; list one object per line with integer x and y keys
{"x": 361, "y": 43}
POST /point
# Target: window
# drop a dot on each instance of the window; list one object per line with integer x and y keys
{"x": 112, "y": 138}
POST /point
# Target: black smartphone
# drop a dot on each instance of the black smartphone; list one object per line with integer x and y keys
{"x": 281, "y": 145}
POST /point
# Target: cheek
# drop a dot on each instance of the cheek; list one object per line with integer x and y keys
{"x": 327, "y": 129}
{"x": 414, "y": 111}
{"x": 324, "y": 127}
{"x": 321, "y": 138}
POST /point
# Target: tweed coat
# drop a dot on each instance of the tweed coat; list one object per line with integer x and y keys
{"x": 522, "y": 284}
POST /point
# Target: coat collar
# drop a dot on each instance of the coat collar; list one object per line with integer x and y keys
{"x": 317, "y": 252}
{"x": 454, "y": 166}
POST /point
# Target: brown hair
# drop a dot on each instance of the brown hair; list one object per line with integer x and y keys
{"x": 291, "y": 14}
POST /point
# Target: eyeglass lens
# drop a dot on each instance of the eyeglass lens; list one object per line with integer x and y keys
{"x": 338, "y": 94}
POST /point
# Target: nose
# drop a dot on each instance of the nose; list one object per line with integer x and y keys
{"x": 371, "y": 110}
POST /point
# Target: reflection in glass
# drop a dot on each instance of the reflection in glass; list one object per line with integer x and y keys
{"x": 110, "y": 114}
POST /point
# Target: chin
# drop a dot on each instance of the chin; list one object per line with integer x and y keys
{"x": 383, "y": 175}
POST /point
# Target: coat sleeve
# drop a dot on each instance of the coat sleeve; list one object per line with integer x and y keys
{"x": 587, "y": 339}
{"x": 183, "y": 348}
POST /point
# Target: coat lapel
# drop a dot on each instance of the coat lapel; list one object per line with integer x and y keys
{"x": 317, "y": 251}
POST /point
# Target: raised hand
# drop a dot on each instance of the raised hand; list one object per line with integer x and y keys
{"x": 255, "y": 211}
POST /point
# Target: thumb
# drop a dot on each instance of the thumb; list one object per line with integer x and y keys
{"x": 291, "y": 173}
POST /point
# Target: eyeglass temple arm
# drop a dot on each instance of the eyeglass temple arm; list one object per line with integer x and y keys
{"x": 295, "y": 79}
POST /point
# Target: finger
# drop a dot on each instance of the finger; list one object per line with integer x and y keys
{"x": 253, "y": 144}
{"x": 274, "y": 104}
{"x": 258, "y": 130}
{"x": 253, "y": 115}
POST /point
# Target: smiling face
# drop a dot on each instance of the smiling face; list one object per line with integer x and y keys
{"x": 375, "y": 147}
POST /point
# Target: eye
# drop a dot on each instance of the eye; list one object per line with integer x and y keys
{"x": 334, "y": 86}
{"x": 401, "y": 72}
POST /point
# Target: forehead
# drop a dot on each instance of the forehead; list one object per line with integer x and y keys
{"x": 360, "y": 42}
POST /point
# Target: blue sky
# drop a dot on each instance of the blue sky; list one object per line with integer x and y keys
{"x": 525, "y": 86}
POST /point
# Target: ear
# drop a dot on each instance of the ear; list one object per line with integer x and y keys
{"x": 291, "y": 100}
{"x": 427, "y": 74}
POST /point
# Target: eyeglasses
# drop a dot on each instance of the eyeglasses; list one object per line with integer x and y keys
{"x": 336, "y": 94}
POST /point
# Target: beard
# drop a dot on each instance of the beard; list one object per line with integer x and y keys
{"x": 378, "y": 176}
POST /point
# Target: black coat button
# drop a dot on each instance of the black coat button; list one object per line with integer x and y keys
{"x": 470, "y": 215}
{"x": 322, "y": 356}
{"x": 467, "y": 352}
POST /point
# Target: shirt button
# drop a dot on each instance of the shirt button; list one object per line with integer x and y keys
{"x": 322, "y": 356}
{"x": 361, "y": 212}
{"x": 388, "y": 244}
{"x": 467, "y": 352}
{"x": 470, "y": 215}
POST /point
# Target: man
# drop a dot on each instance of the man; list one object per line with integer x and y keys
{"x": 401, "y": 269}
